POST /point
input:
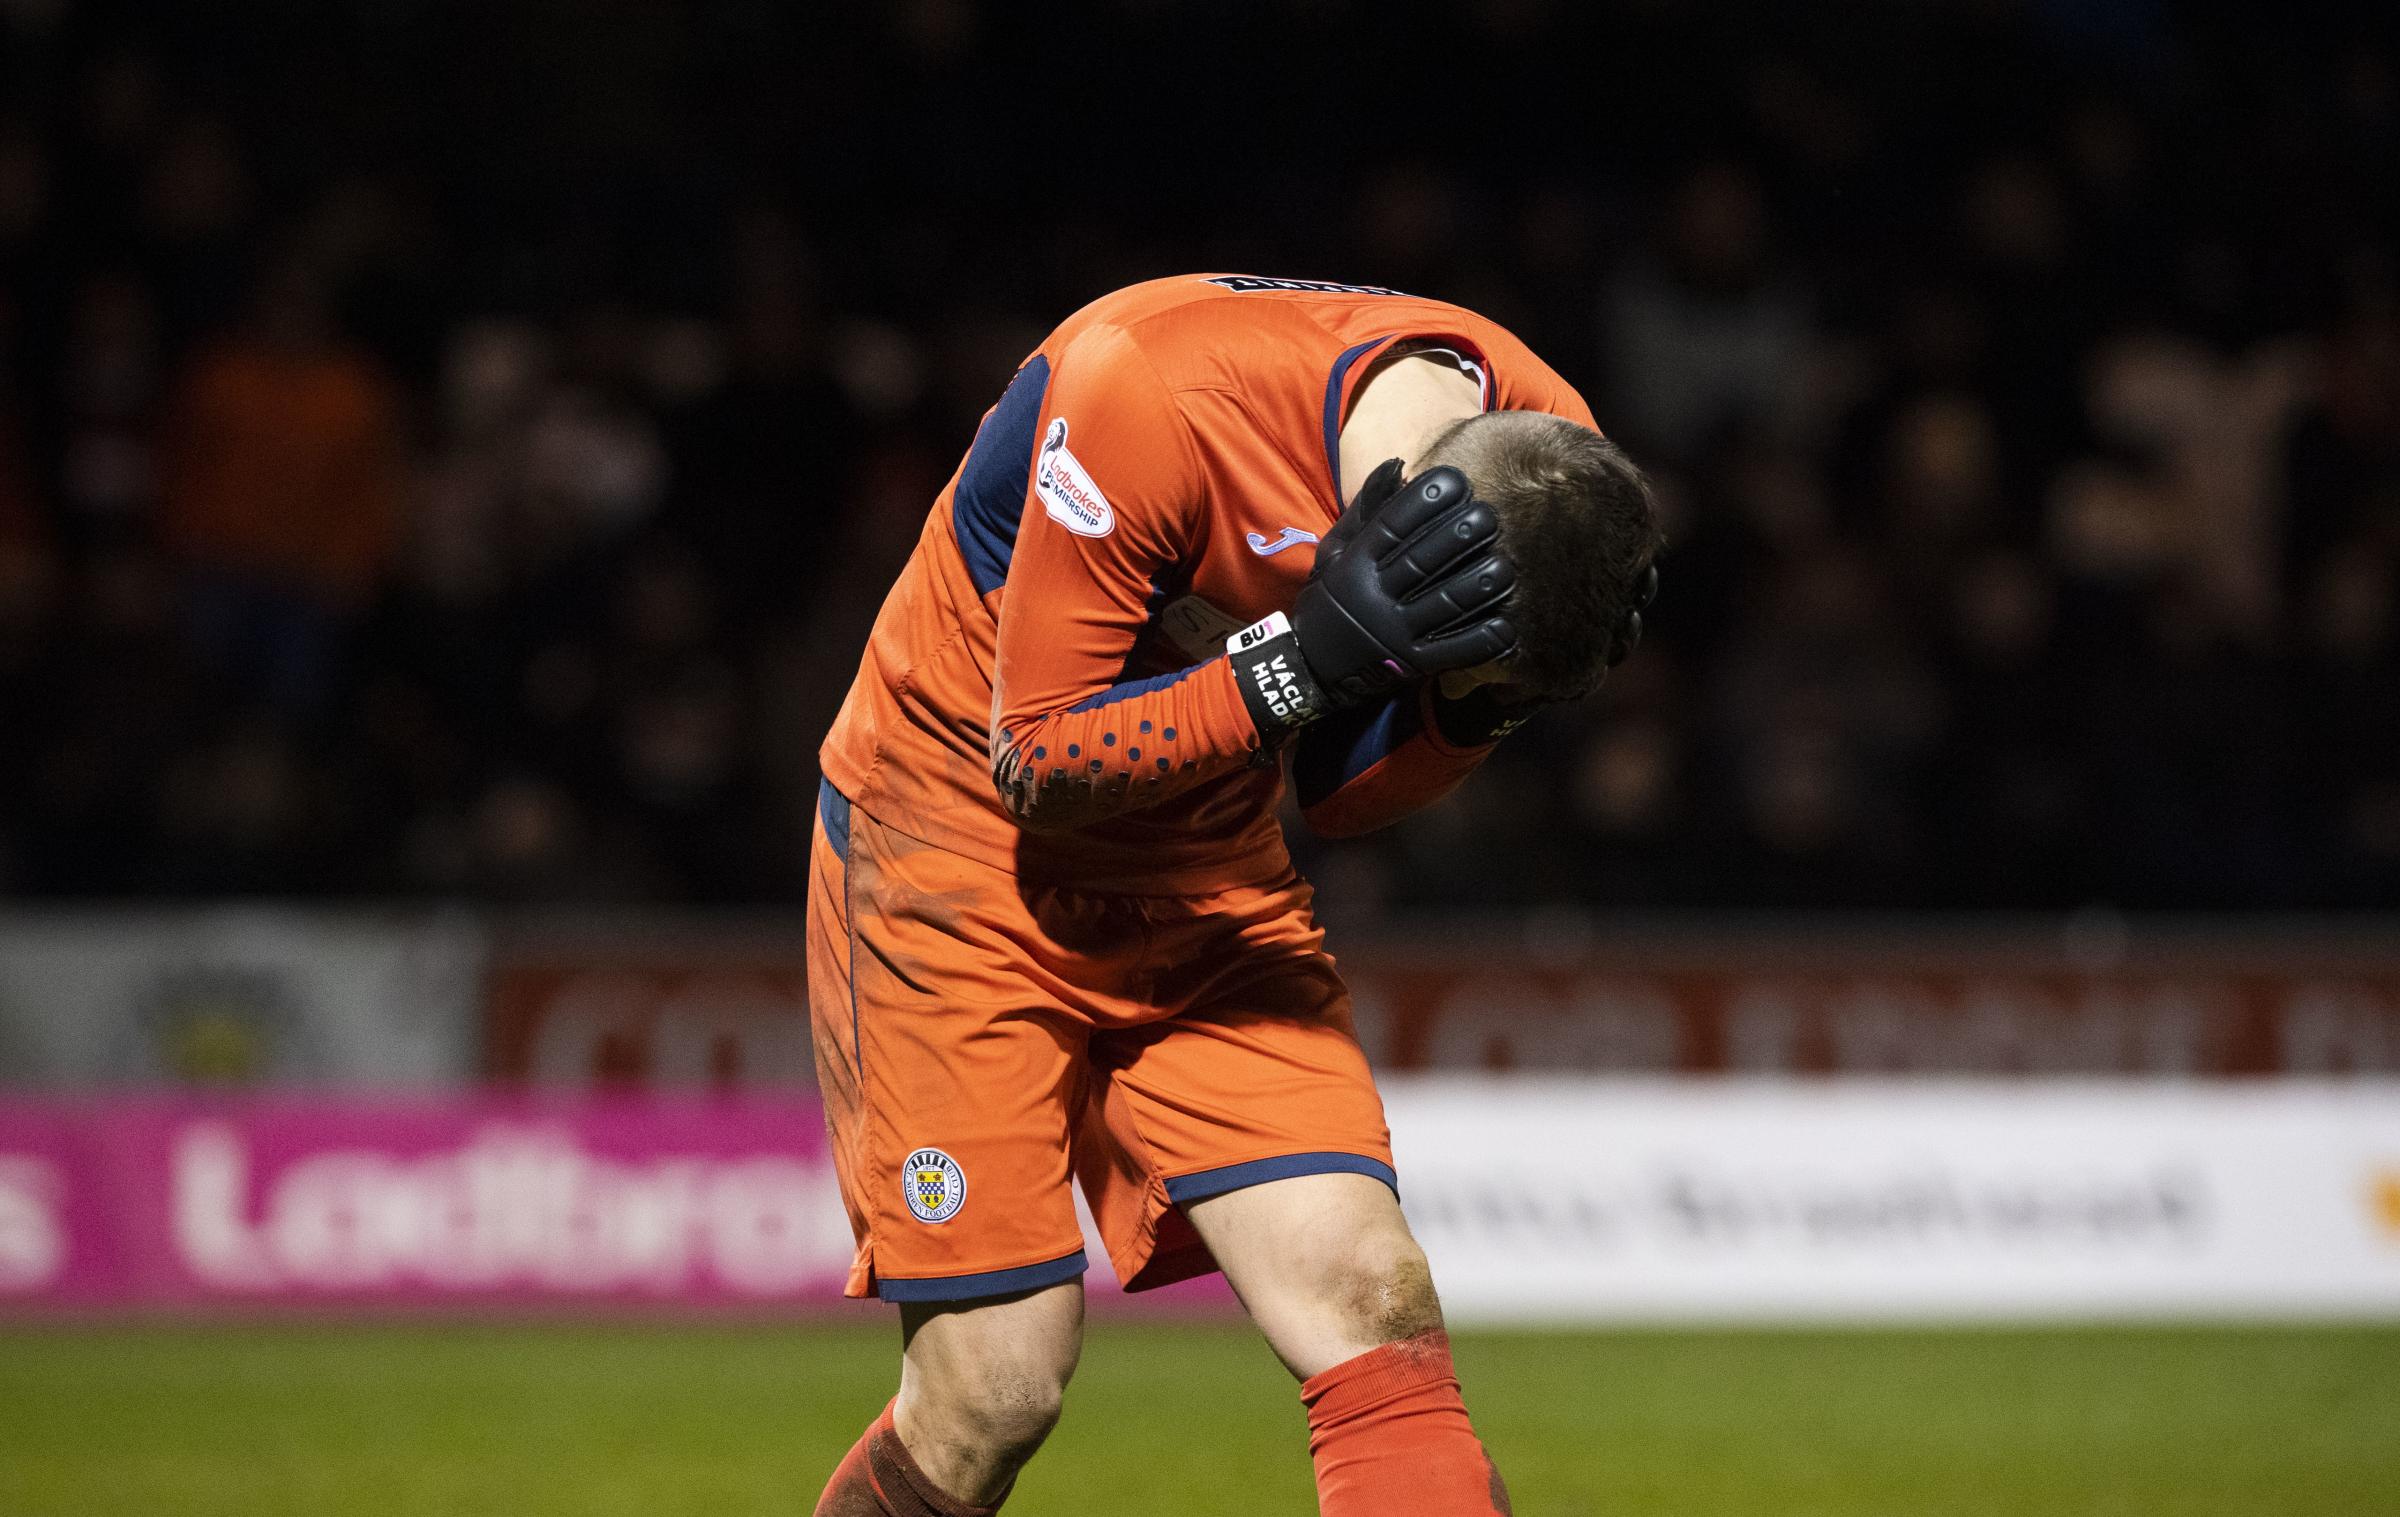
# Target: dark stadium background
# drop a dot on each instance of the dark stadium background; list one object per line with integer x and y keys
{"x": 451, "y": 452}
{"x": 2025, "y": 380}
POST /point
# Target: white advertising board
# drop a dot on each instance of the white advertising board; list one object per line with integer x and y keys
{"x": 1543, "y": 1200}
{"x": 238, "y": 995}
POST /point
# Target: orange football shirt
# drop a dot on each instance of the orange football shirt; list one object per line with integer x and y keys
{"x": 1154, "y": 478}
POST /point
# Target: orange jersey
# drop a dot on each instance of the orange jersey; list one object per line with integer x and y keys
{"x": 1155, "y": 478}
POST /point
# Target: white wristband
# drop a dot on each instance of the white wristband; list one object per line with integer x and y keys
{"x": 1273, "y": 624}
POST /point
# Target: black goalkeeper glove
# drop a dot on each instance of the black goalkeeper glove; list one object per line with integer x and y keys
{"x": 1408, "y": 584}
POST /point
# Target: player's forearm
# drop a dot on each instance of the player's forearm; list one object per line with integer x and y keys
{"x": 1131, "y": 746}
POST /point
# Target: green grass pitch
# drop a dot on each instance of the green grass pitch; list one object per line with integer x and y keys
{"x": 1198, "y": 1421}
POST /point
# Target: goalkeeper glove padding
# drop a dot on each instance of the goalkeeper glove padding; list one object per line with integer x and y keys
{"x": 1408, "y": 584}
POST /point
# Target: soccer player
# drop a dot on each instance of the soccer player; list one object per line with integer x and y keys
{"x": 1053, "y": 930}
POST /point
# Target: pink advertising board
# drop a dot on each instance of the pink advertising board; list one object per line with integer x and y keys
{"x": 474, "y": 1203}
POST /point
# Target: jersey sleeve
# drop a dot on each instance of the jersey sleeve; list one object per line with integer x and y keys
{"x": 1113, "y": 502}
{"x": 1368, "y": 767}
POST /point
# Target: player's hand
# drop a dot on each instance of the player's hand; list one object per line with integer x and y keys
{"x": 1486, "y": 703}
{"x": 1408, "y": 584}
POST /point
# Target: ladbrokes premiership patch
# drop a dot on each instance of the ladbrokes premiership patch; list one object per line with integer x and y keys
{"x": 1067, "y": 491}
{"x": 935, "y": 1185}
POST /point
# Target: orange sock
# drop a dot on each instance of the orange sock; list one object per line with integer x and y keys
{"x": 1390, "y": 1437}
{"x": 877, "y": 1478}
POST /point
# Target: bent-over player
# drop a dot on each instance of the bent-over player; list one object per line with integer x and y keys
{"x": 1053, "y": 929}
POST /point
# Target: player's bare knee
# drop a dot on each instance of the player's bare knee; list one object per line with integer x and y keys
{"x": 1001, "y": 1411}
{"x": 1384, "y": 1289}
{"x": 1011, "y": 1414}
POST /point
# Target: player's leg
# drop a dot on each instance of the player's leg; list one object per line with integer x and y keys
{"x": 1324, "y": 1264}
{"x": 1245, "y": 1132}
{"x": 981, "y": 1383}
{"x": 947, "y": 1089}
{"x": 980, "y": 1387}
{"x": 1326, "y": 1267}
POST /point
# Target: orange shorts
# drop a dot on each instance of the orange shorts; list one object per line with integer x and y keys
{"x": 979, "y": 1040}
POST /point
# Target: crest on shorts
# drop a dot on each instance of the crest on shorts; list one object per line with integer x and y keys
{"x": 935, "y": 1185}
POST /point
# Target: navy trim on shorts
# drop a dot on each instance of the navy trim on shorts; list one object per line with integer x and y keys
{"x": 992, "y": 1282}
{"x": 1216, "y": 1182}
{"x": 833, "y": 814}
{"x": 833, "y": 809}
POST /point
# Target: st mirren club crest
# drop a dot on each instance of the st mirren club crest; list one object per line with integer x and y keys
{"x": 935, "y": 1185}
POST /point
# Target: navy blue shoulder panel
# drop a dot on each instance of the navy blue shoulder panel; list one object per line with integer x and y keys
{"x": 991, "y": 485}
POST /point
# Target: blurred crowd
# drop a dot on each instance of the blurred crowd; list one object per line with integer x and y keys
{"x": 456, "y": 449}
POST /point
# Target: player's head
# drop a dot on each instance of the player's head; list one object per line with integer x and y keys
{"x": 1580, "y": 523}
